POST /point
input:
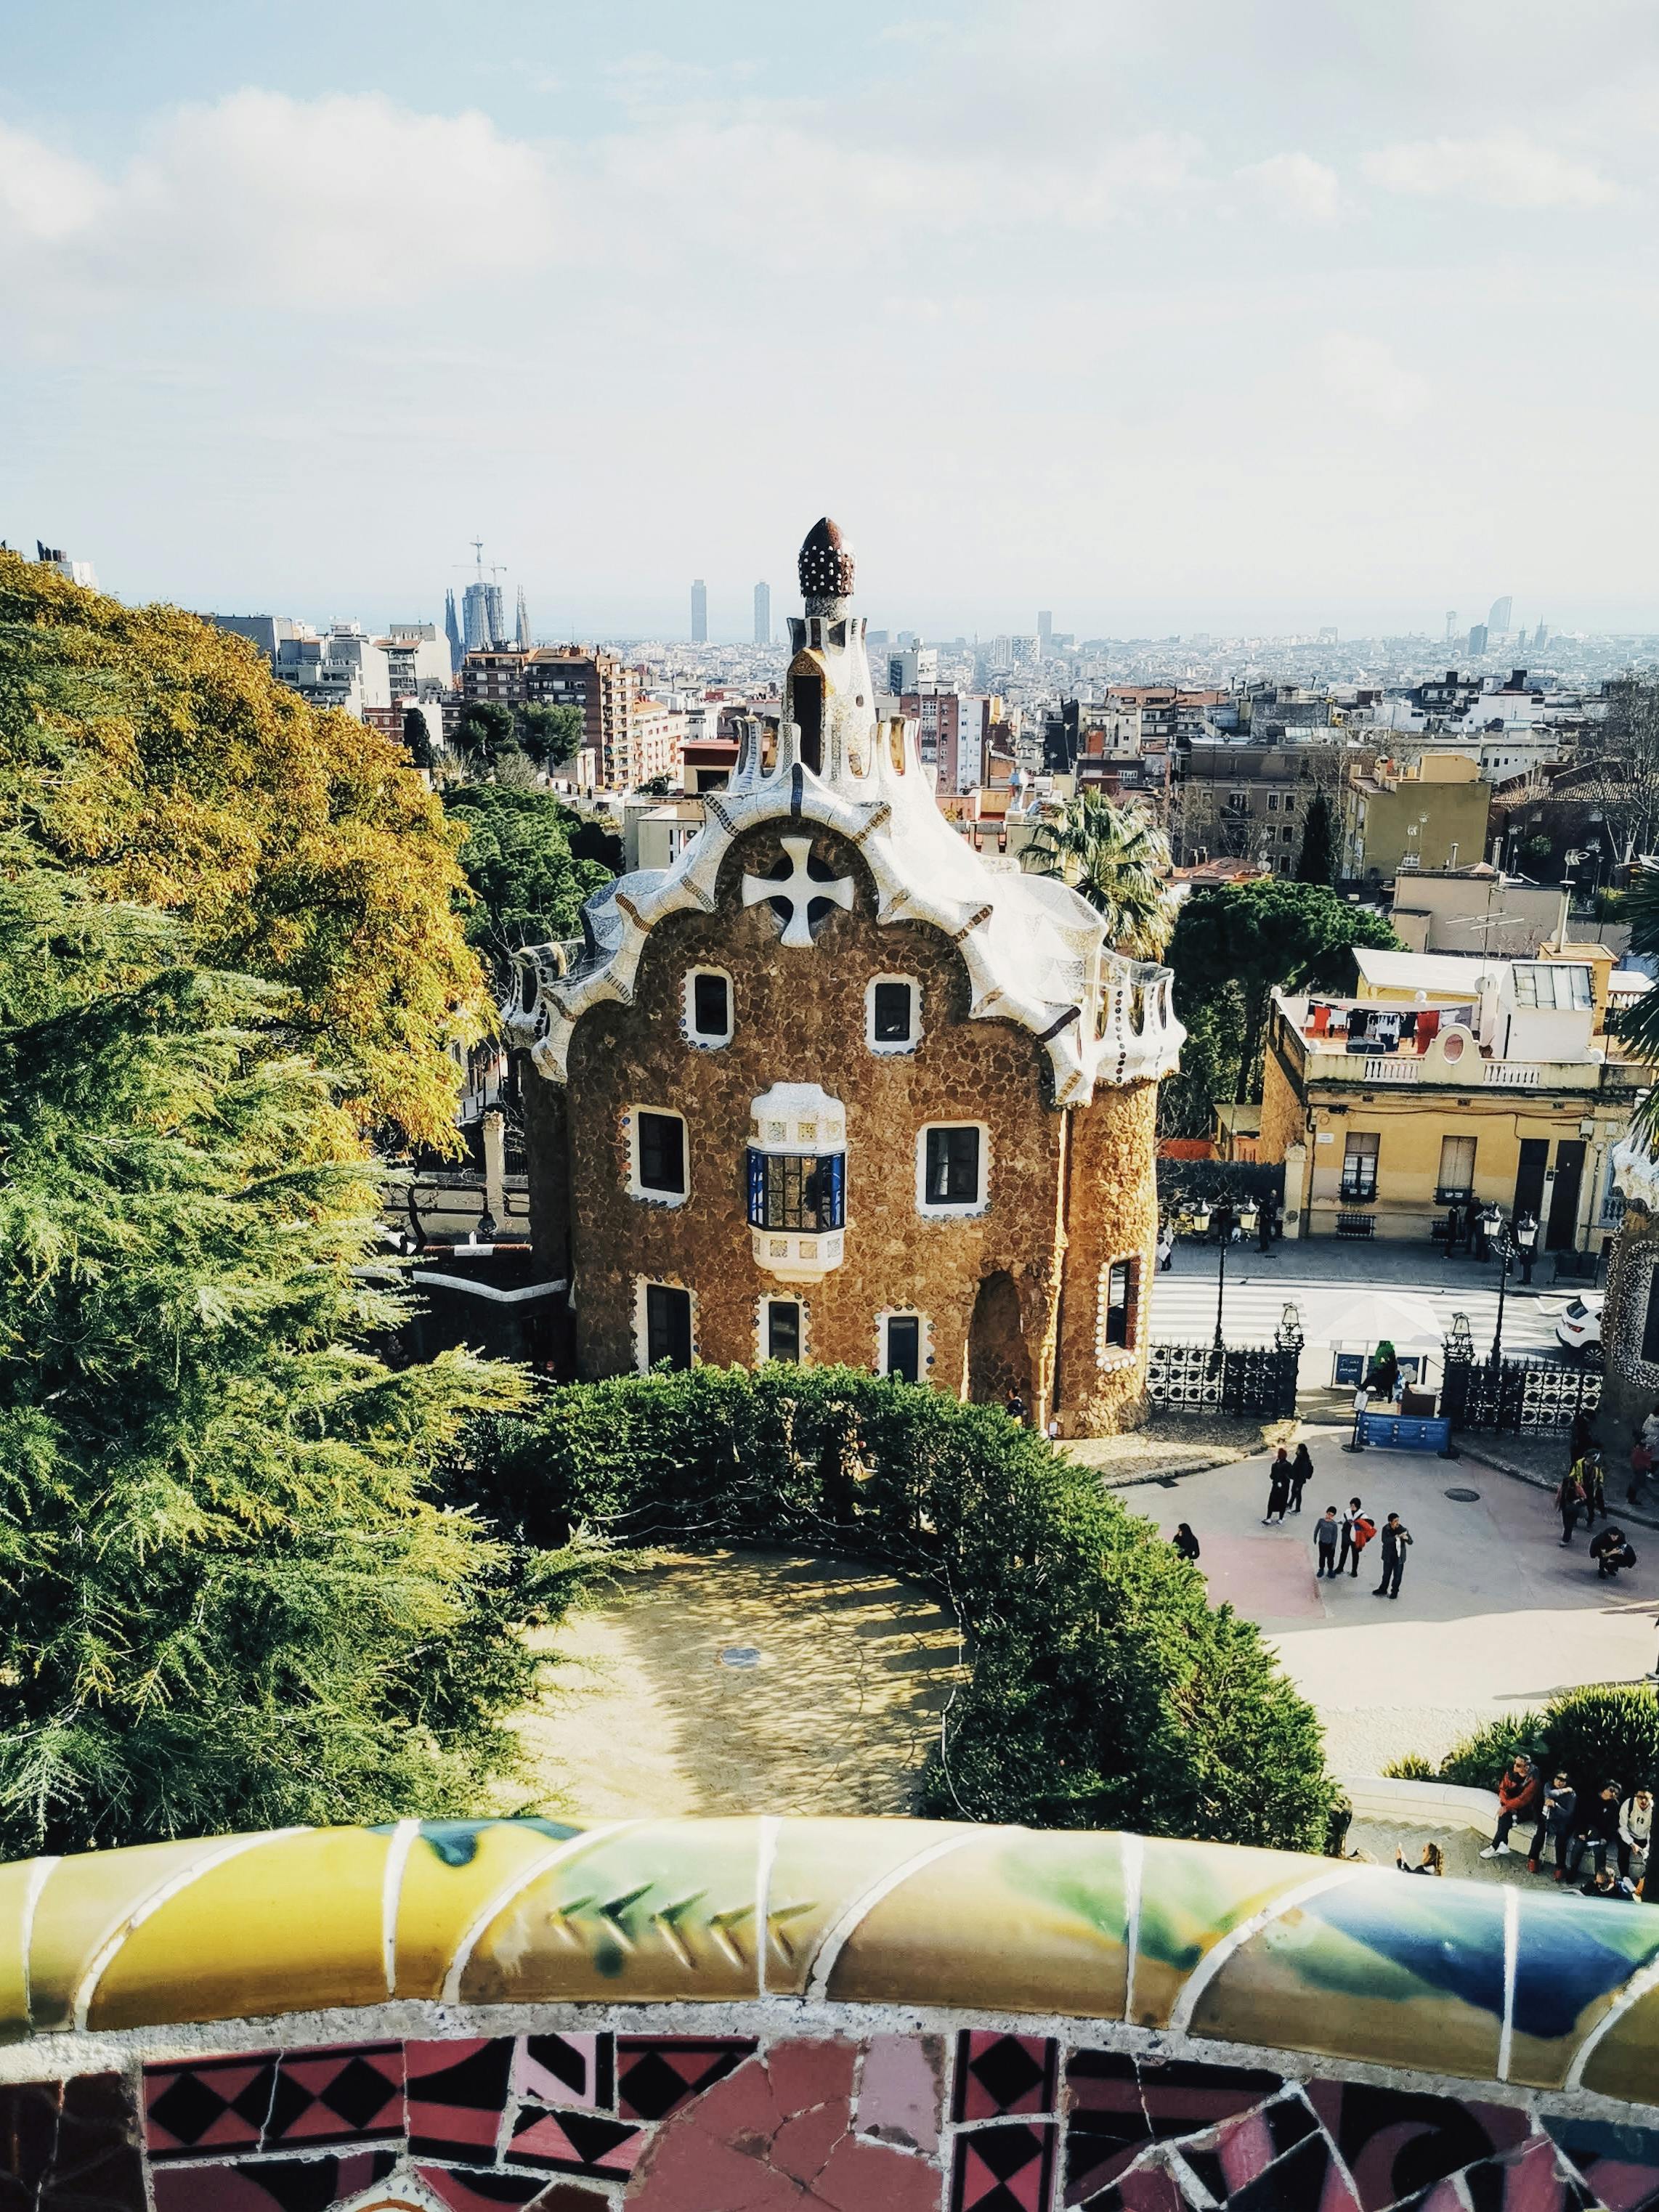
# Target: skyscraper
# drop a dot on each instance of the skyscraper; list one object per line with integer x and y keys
{"x": 763, "y": 614}
{"x": 1451, "y": 622}
{"x": 1497, "y": 622}
{"x": 523, "y": 623}
{"x": 699, "y": 611}
{"x": 1045, "y": 632}
{"x": 1477, "y": 640}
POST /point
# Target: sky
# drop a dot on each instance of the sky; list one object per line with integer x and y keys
{"x": 1196, "y": 316}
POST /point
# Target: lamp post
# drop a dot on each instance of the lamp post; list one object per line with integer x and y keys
{"x": 1220, "y": 1291}
{"x": 1525, "y": 1239}
{"x": 1505, "y": 1244}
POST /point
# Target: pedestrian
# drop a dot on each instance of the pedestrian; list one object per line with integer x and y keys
{"x": 1384, "y": 1377}
{"x": 1591, "y": 1476}
{"x": 1362, "y": 1399}
{"x": 1569, "y": 1496}
{"x": 1014, "y": 1406}
{"x": 1279, "y": 1489}
{"x": 1641, "y": 1467}
{"x": 1635, "y": 1833}
{"x": 1605, "y": 1883}
{"x": 1185, "y": 1542}
{"x": 1395, "y": 1537}
{"x": 1166, "y": 1241}
{"x": 1611, "y": 1550}
{"x": 1433, "y": 1860}
{"x": 1326, "y": 1533}
{"x": 1650, "y": 1430}
{"x": 1519, "y": 1790}
{"x": 1555, "y": 1817}
{"x": 1357, "y": 1529}
{"x": 1596, "y": 1831}
{"x": 1301, "y": 1475}
{"x": 1265, "y": 1220}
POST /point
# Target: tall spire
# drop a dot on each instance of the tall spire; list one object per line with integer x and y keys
{"x": 453, "y": 632}
{"x": 826, "y": 563}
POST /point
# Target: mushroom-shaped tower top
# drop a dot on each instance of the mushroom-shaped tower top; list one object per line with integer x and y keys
{"x": 826, "y": 562}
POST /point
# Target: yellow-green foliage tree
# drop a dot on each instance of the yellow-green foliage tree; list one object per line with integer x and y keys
{"x": 158, "y": 758}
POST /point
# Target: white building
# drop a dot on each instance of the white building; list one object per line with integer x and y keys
{"x": 77, "y": 572}
{"x": 417, "y": 661}
{"x": 343, "y": 667}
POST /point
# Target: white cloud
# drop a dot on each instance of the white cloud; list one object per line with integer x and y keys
{"x": 44, "y": 195}
{"x": 1364, "y": 375}
{"x": 1296, "y": 186}
{"x": 1507, "y": 169}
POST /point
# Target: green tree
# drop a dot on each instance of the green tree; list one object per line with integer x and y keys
{"x": 484, "y": 729}
{"x": 1316, "y": 861}
{"x": 158, "y": 759}
{"x": 527, "y": 885}
{"x": 232, "y": 1599}
{"x": 416, "y": 741}
{"x": 549, "y": 734}
{"x": 1119, "y": 860}
{"x": 1259, "y": 937}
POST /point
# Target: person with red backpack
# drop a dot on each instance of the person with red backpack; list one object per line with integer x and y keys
{"x": 1357, "y": 1529}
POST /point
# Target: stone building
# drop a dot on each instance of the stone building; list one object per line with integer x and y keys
{"x": 832, "y": 1087}
{"x": 1629, "y": 1312}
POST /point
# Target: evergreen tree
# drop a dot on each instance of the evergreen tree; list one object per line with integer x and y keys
{"x": 527, "y": 884}
{"x": 230, "y": 1599}
{"x": 1316, "y": 861}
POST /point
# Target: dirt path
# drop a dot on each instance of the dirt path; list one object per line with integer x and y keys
{"x": 661, "y": 1708}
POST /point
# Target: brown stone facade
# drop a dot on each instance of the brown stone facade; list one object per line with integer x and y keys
{"x": 1630, "y": 1389}
{"x": 1012, "y": 1296}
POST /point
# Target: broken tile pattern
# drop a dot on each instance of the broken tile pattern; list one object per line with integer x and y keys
{"x": 979, "y": 2121}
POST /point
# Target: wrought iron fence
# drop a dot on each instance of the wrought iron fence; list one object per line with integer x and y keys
{"x": 1258, "y": 1380}
{"x": 1523, "y": 1396}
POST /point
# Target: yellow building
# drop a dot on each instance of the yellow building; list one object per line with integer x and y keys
{"x": 1430, "y": 814}
{"x": 1445, "y": 1080}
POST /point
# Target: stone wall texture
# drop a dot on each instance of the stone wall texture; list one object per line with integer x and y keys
{"x": 1630, "y": 1389}
{"x": 1066, "y": 1192}
{"x": 755, "y": 2016}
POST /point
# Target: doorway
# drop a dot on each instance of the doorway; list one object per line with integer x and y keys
{"x": 1530, "y": 1178}
{"x": 1562, "y": 1233}
{"x": 998, "y": 1365}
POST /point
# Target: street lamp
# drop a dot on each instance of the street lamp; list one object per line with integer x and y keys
{"x": 1511, "y": 1241}
{"x": 1526, "y": 1238}
{"x": 1221, "y": 1291}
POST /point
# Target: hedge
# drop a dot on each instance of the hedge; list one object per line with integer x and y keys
{"x": 1105, "y": 1690}
{"x": 1597, "y": 1736}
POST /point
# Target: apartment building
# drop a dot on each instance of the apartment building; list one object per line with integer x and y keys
{"x": 1424, "y": 815}
{"x": 1445, "y": 1081}
{"x": 1248, "y": 802}
{"x": 607, "y": 691}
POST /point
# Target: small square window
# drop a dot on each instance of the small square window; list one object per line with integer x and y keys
{"x": 667, "y": 1326}
{"x": 952, "y": 1167}
{"x": 659, "y": 1155}
{"x": 891, "y": 1010}
{"x": 708, "y": 1005}
{"x": 901, "y": 1348}
{"x": 783, "y": 1329}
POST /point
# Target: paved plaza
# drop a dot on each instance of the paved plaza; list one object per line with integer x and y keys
{"x": 1492, "y": 1618}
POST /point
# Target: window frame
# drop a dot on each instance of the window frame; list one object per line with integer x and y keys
{"x": 953, "y": 1208}
{"x": 763, "y": 1332}
{"x": 644, "y": 1286}
{"x": 1112, "y": 1351}
{"x": 1448, "y": 1193}
{"x": 887, "y": 1047}
{"x": 1360, "y": 1186}
{"x": 705, "y": 1039}
{"x": 884, "y": 1342}
{"x": 764, "y": 1165}
{"x": 649, "y": 1193}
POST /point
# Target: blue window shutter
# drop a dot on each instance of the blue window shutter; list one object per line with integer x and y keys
{"x": 836, "y": 1166}
{"x": 757, "y": 1188}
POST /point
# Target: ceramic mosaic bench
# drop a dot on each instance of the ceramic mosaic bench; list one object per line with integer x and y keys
{"x": 732, "y": 2015}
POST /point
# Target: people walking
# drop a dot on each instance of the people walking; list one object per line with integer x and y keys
{"x": 1635, "y": 1833}
{"x": 1433, "y": 1860}
{"x": 1611, "y": 1550}
{"x": 1301, "y": 1475}
{"x": 1395, "y": 1537}
{"x": 1569, "y": 1498}
{"x": 1362, "y": 1399}
{"x": 1593, "y": 1481}
{"x": 1519, "y": 1790}
{"x": 1326, "y": 1532}
{"x": 1596, "y": 1830}
{"x": 1279, "y": 1489}
{"x": 1185, "y": 1542}
{"x": 1166, "y": 1243}
{"x": 1357, "y": 1529}
{"x": 1555, "y": 1809}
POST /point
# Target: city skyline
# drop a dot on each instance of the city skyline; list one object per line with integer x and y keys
{"x": 1375, "y": 213}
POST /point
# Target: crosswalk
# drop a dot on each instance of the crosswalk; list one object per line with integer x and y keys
{"x": 1184, "y": 1311}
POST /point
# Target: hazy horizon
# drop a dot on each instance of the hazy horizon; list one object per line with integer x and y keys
{"x": 1195, "y": 319}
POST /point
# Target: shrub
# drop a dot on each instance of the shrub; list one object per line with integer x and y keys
{"x": 1414, "y": 1767}
{"x": 1609, "y": 1733}
{"x": 1477, "y": 1761}
{"x": 1105, "y": 1690}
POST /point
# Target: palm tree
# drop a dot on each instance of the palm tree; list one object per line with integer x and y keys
{"x": 1119, "y": 860}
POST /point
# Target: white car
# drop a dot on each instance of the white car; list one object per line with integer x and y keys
{"x": 1579, "y": 1328}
